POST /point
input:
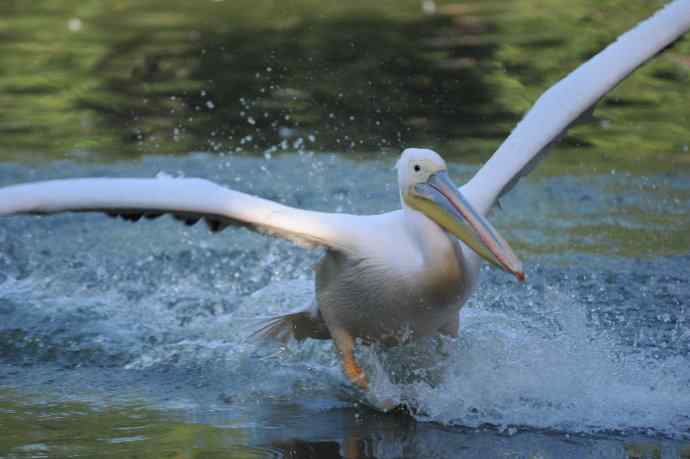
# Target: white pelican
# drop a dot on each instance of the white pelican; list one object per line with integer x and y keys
{"x": 397, "y": 275}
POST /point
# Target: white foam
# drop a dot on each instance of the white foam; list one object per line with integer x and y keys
{"x": 547, "y": 367}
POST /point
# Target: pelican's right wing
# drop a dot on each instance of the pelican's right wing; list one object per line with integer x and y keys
{"x": 571, "y": 98}
{"x": 188, "y": 199}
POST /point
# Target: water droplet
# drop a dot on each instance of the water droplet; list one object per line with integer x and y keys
{"x": 74, "y": 25}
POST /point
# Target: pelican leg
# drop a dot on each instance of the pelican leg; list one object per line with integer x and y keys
{"x": 345, "y": 345}
{"x": 451, "y": 327}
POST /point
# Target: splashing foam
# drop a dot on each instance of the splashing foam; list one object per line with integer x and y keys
{"x": 511, "y": 370}
{"x": 547, "y": 368}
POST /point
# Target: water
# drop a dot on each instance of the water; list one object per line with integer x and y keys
{"x": 111, "y": 324}
{"x": 124, "y": 79}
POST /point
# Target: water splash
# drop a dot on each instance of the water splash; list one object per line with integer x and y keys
{"x": 546, "y": 367}
{"x": 591, "y": 343}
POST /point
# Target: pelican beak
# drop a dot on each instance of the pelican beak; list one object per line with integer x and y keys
{"x": 439, "y": 199}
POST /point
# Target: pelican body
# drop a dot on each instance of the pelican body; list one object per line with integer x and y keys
{"x": 395, "y": 276}
{"x": 404, "y": 276}
{"x": 412, "y": 285}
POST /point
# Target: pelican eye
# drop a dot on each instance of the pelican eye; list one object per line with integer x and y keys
{"x": 417, "y": 168}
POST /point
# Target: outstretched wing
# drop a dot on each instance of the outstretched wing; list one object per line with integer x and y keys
{"x": 570, "y": 99}
{"x": 188, "y": 199}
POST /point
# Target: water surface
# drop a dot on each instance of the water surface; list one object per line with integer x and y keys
{"x": 587, "y": 358}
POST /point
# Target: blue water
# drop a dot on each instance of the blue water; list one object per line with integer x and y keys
{"x": 594, "y": 346}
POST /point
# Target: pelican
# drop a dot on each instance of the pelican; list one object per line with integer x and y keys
{"x": 390, "y": 277}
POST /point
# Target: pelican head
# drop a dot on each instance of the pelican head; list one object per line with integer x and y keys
{"x": 426, "y": 187}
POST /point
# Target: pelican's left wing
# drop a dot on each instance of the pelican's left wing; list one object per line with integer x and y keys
{"x": 572, "y": 98}
{"x": 188, "y": 199}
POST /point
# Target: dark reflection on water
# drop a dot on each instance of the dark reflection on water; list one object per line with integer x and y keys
{"x": 355, "y": 83}
{"x": 123, "y": 78}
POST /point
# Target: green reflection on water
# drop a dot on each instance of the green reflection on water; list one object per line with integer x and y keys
{"x": 122, "y": 78}
{"x": 610, "y": 240}
{"x": 34, "y": 428}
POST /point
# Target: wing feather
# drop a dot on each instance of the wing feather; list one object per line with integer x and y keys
{"x": 570, "y": 99}
{"x": 187, "y": 199}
